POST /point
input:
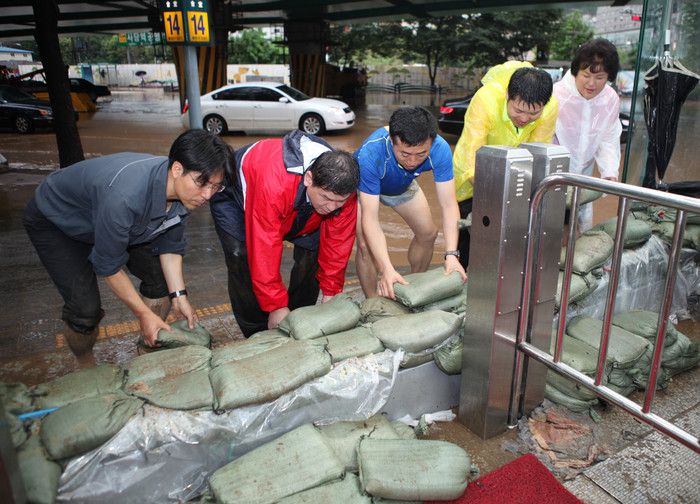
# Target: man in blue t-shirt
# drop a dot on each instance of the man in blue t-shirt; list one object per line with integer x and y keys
{"x": 390, "y": 161}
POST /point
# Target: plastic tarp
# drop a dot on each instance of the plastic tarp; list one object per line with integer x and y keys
{"x": 166, "y": 455}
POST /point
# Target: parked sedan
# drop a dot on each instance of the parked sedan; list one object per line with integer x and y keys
{"x": 452, "y": 112}
{"x": 22, "y": 111}
{"x": 263, "y": 106}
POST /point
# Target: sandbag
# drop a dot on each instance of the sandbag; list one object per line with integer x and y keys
{"x": 90, "y": 382}
{"x": 17, "y": 398}
{"x": 573, "y": 403}
{"x": 353, "y": 343}
{"x": 579, "y": 287}
{"x": 403, "y": 430}
{"x": 428, "y": 287}
{"x": 379, "y": 307}
{"x": 582, "y": 357}
{"x": 16, "y": 428}
{"x": 681, "y": 356}
{"x": 39, "y": 474}
{"x": 624, "y": 347}
{"x": 297, "y": 461}
{"x": 86, "y": 424}
{"x": 636, "y": 233}
{"x": 345, "y": 491}
{"x": 171, "y": 362}
{"x": 187, "y": 391}
{"x": 644, "y": 323}
{"x": 258, "y": 343}
{"x": 454, "y": 304}
{"x": 411, "y": 360}
{"x": 182, "y": 335}
{"x": 308, "y": 322}
{"x": 591, "y": 250}
{"x": 586, "y": 196}
{"x": 266, "y": 376}
{"x": 664, "y": 214}
{"x": 413, "y": 469}
{"x": 449, "y": 356}
{"x": 416, "y": 331}
{"x": 569, "y": 387}
{"x": 345, "y": 437}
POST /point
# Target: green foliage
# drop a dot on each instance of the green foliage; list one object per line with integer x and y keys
{"x": 572, "y": 33}
{"x": 252, "y": 47}
{"x": 690, "y": 24}
{"x": 628, "y": 57}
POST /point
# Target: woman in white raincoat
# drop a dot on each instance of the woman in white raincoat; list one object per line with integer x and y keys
{"x": 588, "y": 122}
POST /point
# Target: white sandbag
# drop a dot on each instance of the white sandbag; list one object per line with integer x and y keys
{"x": 416, "y": 331}
{"x": 294, "y": 462}
{"x": 308, "y": 322}
{"x": 413, "y": 469}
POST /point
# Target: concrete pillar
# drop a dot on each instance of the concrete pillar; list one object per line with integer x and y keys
{"x": 307, "y": 42}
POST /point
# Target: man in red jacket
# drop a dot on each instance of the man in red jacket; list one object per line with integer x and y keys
{"x": 295, "y": 189}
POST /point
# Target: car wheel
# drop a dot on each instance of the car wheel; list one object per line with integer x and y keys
{"x": 312, "y": 124}
{"x": 23, "y": 124}
{"x": 215, "y": 124}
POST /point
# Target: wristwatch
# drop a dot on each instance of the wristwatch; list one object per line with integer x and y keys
{"x": 452, "y": 252}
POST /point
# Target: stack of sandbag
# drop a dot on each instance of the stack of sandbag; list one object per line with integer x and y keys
{"x": 586, "y": 196}
{"x": 662, "y": 221}
{"x": 637, "y": 231}
{"x": 591, "y": 250}
{"x": 348, "y": 462}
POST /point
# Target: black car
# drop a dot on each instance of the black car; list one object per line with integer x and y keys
{"x": 94, "y": 91}
{"x": 23, "y": 111}
{"x": 452, "y": 112}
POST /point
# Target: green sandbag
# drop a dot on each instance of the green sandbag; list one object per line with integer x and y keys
{"x": 86, "y": 424}
{"x": 569, "y": 387}
{"x": 39, "y": 474}
{"x": 171, "y": 362}
{"x": 308, "y": 322}
{"x": 190, "y": 390}
{"x": 644, "y": 323}
{"x": 579, "y": 287}
{"x": 454, "y": 304}
{"x": 586, "y": 196}
{"x": 449, "y": 357}
{"x": 182, "y": 335}
{"x": 353, "y": 343}
{"x": 345, "y": 436}
{"x": 582, "y": 357}
{"x": 624, "y": 347}
{"x": 644, "y": 367}
{"x": 17, "y": 398}
{"x": 637, "y": 232}
{"x": 681, "y": 356}
{"x": 413, "y": 469}
{"x": 428, "y": 287}
{"x": 403, "y": 430}
{"x": 664, "y": 214}
{"x": 16, "y": 428}
{"x": 591, "y": 250}
{"x": 254, "y": 345}
{"x": 379, "y": 307}
{"x": 691, "y": 236}
{"x": 574, "y": 404}
{"x": 410, "y": 360}
{"x": 90, "y": 382}
{"x": 297, "y": 461}
{"x": 345, "y": 491}
{"x": 266, "y": 376}
{"x": 267, "y": 333}
{"x": 415, "y": 332}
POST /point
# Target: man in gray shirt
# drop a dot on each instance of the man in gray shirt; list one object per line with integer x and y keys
{"x": 128, "y": 209}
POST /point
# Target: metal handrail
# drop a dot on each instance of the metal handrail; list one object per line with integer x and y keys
{"x": 683, "y": 205}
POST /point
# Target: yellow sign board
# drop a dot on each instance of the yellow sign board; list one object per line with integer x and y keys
{"x": 198, "y": 24}
{"x": 174, "y": 29}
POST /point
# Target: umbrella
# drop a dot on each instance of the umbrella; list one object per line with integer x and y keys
{"x": 666, "y": 86}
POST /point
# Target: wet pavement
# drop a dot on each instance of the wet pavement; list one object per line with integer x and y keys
{"x": 33, "y": 350}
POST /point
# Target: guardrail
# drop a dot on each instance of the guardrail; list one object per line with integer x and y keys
{"x": 683, "y": 205}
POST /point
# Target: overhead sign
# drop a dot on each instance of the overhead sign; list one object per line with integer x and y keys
{"x": 140, "y": 39}
{"x": 186, "y": 22}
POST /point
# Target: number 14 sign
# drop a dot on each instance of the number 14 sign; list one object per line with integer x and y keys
{"x": 186, "y": 22}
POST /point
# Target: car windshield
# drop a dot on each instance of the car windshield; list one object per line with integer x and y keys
{"x": 13, "y": 94}
{"x": 293, "y": 93}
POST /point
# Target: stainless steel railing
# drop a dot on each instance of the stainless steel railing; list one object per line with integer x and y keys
{"x": 683, "y": 205}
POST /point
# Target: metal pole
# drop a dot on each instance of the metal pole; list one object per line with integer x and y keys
{"x": 192, "y": 87}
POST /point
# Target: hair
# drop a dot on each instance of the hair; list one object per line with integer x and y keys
{"x": 412, "y": 125}
{"x": 531, "y": 85}
{"x": 336, "y": 171}
{"x": 202, "y": 152}
{"x": 598, "y": 55}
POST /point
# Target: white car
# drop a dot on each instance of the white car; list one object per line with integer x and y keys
{"x": 263, "y": 106}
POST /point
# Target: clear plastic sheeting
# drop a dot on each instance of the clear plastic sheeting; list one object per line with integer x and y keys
{"x": 167, "y": 456}
{"x": 641, "y": 282}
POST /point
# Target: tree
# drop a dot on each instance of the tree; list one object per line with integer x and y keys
{"x": 571, "y": 34}
{"x": 690, "y": 25}
{"x": 251, "y": 46}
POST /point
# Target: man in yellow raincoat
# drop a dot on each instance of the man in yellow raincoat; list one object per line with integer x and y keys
{"x": 515, "y": 105}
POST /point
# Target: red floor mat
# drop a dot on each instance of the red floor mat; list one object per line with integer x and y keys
{"x": 522, "y": 481}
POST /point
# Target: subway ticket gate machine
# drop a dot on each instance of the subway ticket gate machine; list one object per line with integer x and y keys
{"x": 504, "y": 180}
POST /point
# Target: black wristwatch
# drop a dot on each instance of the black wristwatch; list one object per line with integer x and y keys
{"x": 452, "y": 252}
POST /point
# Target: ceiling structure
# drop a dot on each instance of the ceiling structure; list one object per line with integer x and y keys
{"x": 80, "y": 17}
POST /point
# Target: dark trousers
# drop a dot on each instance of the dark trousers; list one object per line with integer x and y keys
{"x": 303, "y": 286}
{"x": 465, "y": 208}
{"x": 68, "y": 264}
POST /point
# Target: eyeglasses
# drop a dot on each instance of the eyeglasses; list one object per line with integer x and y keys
{"x": 215, "y": 188}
